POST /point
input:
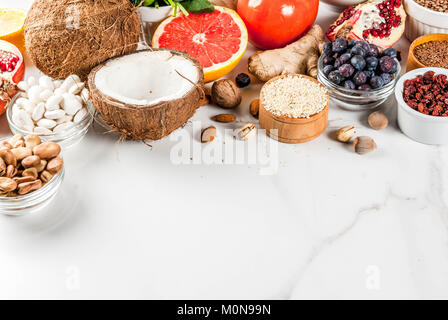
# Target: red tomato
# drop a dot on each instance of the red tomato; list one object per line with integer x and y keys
{"x": 275, "y": 23}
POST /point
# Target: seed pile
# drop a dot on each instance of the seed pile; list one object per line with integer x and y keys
{"x": 26, "y": 164}
{"x": 294, "y": 97}
{"x": 433, "y": 54}
{"x": 428, "y": 94}
{"x": 435, "y": 5}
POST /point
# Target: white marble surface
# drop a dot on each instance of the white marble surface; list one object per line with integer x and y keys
{"x": 128, "y": 223}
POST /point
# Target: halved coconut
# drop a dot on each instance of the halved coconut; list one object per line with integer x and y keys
{"x": 147, "y": 94}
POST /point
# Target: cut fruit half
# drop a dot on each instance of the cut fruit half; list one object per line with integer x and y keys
{"x": 12, "y": 70}
{"x": 380, "y": 22}
{"x": 217, "y": 40}
{"x": 12, "y": 26}
{"x": 147, "y": 94}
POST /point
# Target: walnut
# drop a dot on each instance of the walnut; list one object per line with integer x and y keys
{"x": 226, "y": 94}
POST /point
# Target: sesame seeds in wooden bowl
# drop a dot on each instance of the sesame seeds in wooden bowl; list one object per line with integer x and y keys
{"x": 296, "y": 106}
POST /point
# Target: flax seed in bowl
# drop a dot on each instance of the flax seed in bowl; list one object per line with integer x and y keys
{"x": 428, "y": 51}
{"x": 294, "y": 108}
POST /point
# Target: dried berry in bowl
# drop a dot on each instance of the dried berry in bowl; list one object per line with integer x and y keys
{"x": 427, "y": 94}
{"x": 356, "y": 77}
{"x": 358, "y": 64}
{"x": 422, "y": 105}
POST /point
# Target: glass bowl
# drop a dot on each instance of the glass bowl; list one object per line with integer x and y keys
{"x": 65, "y": 139}
{"x": 356, "y": 100}
{"x": 33, "y": 201}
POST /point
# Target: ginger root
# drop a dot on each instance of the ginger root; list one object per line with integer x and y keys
{"x": 299, "y": 57}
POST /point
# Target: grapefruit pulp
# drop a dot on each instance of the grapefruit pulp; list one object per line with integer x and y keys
{"x": 217, "y": 40}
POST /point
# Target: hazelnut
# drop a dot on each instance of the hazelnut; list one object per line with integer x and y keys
{"x": 378, "y": 120}
{"x": 226, "y": 94}
{"x": 346, "y": 133}
{"x": 363, "y": 145}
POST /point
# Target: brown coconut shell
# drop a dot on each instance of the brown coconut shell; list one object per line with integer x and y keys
{"x": 71, "y": 37}
{"x": 148, "y": 122}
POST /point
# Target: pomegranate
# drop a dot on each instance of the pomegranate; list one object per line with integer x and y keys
{"x": 12, "y": 69}
{"x": 380, "y": 22}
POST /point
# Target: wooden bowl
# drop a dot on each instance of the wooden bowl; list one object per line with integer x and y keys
{"x": 293, "y": 130}
{"x": 413, "y": 63}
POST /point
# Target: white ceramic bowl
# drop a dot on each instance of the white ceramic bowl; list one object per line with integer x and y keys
{"x": 152, "y": 15}
{"x": 423, "y": 21}
{"x": 418, "y": 126}
{"x": 343, "y": 3}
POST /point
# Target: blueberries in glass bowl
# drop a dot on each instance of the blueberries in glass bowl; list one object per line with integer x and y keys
{"x": 358, "y": 64}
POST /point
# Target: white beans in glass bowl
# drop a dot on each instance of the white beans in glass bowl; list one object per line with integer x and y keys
{"x": 55, "y": 110}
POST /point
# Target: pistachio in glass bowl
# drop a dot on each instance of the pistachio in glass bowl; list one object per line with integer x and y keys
{"x": 31, "y": 172}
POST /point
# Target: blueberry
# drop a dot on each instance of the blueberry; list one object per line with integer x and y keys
{"x": 352, "y": 43}
{"x": 373, "y": 51}
{"x": 358, "y": 62}
{"x": 390, "y": 52}
{"x": 376, "y": 82}
{"x": 346, "y": 70}
{"x": 394, "y": 68}
{"x": 365, "y": 87}
{"x": 339, "y": 45}
{"x": 358, "y": 50}
{"x": 337, "y": 63}
{"x": 371, "y": 63}
{"x": 348, "y": 84}
{"x": 369, "y": 73}
{"x": 328, "y": 69}
{"x": 364, "y": 44}
{"x": 242, "y": 80}
{"x": 328, "y": 60}
{"x": 387, "y": 78}
{"x": 388, "y": 65}
{"x": 360, "y": 78}
{"x": 345, "y": 58}
{"x": 327, "y": 49}
{"x": 335, "y": 77}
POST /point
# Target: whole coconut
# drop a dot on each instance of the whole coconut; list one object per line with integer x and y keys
{"x": 71, "y": 37}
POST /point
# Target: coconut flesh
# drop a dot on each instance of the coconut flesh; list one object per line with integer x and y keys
{"x": 147, "y": 94}
{"x": 150, "y": 78}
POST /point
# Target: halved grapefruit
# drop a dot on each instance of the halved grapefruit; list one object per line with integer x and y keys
{"x": 217, "y": 40}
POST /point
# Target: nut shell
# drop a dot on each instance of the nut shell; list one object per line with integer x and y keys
{"x": 363, "y": 145}
{"x": 378, "y": 120}
{"x": 226, "y": 94}
{"x": 47, "y": 150}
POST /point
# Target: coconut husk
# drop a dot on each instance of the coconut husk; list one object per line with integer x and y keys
{"x": 71, "y": 37}
{"x": 148, "y": 122}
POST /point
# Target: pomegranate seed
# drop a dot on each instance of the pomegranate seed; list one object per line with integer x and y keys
{"x": 8, "y": 61}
